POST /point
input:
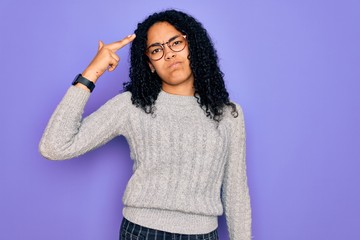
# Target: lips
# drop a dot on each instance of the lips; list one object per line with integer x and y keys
{"x": 174, "y": 64}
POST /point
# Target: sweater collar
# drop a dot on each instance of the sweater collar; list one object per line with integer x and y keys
{"x": 173, "y": 99}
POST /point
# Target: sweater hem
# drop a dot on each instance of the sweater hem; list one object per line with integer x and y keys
{"x": 171, "y": 221}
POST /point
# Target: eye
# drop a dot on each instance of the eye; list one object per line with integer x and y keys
{"x": 176, "y": 42}
{"x": 155, "y": 50}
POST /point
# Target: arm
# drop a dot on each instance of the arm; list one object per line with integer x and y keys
{"x": 67, "y": 135}
{"x": 235, "y": 192}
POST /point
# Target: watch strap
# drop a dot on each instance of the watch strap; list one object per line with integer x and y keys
{"x": 80, "y": 79}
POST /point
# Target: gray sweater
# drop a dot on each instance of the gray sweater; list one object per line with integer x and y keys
{"x": 187, "y": 169}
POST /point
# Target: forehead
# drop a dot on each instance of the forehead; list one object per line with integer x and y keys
{"x": 161, "y": 32}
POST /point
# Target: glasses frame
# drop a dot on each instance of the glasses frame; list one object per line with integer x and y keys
{"x": 162, "y": 45}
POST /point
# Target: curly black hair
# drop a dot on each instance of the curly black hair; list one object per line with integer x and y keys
{"x": 209, "y": 86}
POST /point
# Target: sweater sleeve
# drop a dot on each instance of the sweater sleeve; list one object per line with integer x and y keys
{"x": 68, "y": 135}
{"x": 235, "y": 192}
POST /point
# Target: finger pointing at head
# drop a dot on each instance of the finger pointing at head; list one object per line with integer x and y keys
{"x": 119, "y": 44}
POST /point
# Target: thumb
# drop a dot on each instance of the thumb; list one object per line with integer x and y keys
{"x": 101, "y": 44}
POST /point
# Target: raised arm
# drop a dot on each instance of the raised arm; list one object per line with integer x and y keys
{"x": 105, "y": 59}
{"x": 67, "y": 134}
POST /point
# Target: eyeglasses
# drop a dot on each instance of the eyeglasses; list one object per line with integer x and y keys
{"x": 156, "y": 51}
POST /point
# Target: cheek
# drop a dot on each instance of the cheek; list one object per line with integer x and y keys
{"x": 187, "y": 56}
{"x": 158, "y": 67}
{"x": 154, "y": 64}
{"x": 187, "y": 50}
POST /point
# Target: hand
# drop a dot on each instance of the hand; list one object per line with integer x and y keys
{"x": 106, "y": 58}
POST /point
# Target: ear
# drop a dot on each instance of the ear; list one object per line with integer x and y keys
{"x": 152, "y": 68}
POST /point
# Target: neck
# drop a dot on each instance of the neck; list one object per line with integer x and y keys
{"x": 187, "y": 90}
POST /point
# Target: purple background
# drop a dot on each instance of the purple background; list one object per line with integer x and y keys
{"x": 292, "y": 65}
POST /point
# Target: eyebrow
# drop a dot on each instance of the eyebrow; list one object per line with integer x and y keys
{"x": 157, "y": 43}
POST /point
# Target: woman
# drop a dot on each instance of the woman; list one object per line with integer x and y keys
{"x": 186, "y": 138}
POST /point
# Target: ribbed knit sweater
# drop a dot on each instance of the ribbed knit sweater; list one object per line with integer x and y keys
{"x": 187, "y": 168}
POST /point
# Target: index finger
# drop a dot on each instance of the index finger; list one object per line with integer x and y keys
{"x": 119, "y": 44}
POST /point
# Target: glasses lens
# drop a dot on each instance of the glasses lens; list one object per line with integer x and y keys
{"x": 155, "y": 52}
{"x": 177, "y": 44}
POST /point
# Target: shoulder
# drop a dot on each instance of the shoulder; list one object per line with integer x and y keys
{"x": 233, "y": 115}
{"x": 232, "y": 120}
{"x": 119, "y": 102}
{"x": 123, "y": 98}
{"x": 234, "y": 125}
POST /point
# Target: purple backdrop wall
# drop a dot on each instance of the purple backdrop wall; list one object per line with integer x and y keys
{"x": 292, "y": 65}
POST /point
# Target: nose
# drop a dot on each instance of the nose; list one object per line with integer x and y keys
{"x": 168, "y": 53}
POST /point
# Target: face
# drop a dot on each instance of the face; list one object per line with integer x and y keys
{"x": 174, "y": 67}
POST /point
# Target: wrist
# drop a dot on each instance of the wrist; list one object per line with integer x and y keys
{"x": 80, "y": 85}
{"x": 90, "y": 75}
{"x": 81, "y": 81}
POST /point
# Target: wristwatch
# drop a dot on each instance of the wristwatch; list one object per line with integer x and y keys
{"x": 80, "y": 79}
